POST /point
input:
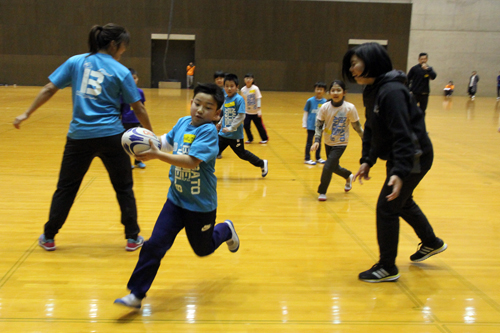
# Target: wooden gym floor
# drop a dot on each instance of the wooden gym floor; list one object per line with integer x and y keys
{"x": 297, "y": 267}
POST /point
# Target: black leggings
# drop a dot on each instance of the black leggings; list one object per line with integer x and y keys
{"x": 388, "y": 213}
{"x": 78, "y": 155}
{"x": 238, "y": 146}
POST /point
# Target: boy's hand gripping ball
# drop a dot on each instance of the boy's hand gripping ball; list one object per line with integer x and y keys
{"x": 136, "y": 140}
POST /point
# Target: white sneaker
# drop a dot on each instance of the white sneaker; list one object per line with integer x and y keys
{"x": 348, "y": 183}
{"x": 234, "y": 243}
{"x": 322, "y": 197}
{"x": 310, "y": 162}
{"x": 264, "y": 169}
{"x": 321, "y": 161}
{"x": 130, "y": 300}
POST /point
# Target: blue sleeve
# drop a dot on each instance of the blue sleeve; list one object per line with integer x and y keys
{"x": 241, "y": 108}
{"x": 205, "y": 146}
{"x": 171, "y": 135}
{"x": 61, "y": 77}
{"x": 307, "y": 108}
{"x": 129, "y": 90}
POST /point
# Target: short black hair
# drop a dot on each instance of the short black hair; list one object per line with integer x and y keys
{"x": 320, "y": 84}
{"x": 423, "y": 54}
{"x": 132, "y": 71}
{"x": 339, "y": 82}
{"x": 211, "y": 89}
{"x": 232, "y": 77}
{"x": 374, "y": 56}
{"x": 249, "y": 75}
{"x": 218, "y": 74}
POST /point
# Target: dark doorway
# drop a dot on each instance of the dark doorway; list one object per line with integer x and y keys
{"x": 180, "y": 54}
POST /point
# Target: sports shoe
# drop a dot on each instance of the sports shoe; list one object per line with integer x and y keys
{"x": 348, "y": 183}
{"x": 321, "y": 161}
{"x": 130, "y": 300}
{"x": 248, "y": 142}
{"x": 379, "y": 273}
{"x": 140, "y": 165}
{"x": 47, "y": 244}
{"x": 234, "y": 243}
{"x": 133, "y": 244}
{"x": 322, "y": 197}
{"x": 426, "y": 251}
{"x": 310, "y": 162}
{"x": 263, "y": 142}
{"x": 264, "y": 169}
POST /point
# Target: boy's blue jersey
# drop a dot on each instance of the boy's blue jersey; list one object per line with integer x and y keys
{"x": 194, "y": 189}
{"x": 231, "y": 107}
{"x": 312, "y": 108}
{"x": 97, "y": 83}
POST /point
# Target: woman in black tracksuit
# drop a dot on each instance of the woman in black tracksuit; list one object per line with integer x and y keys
{"x": 394, "y": 131}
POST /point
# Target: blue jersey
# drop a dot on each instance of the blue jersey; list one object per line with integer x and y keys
{"x": 312, "y": 107}
{"x": 128, "y": 115}
{"x": 194, "y": 189}
{"x": 231, "y": 107}
{"x": 97, "y": 83}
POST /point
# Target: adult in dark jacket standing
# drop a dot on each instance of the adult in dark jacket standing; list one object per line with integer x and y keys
{"x": 418, "y": 81}
{"x": 394, "y": 131}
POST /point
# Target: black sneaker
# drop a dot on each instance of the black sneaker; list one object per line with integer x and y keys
{"x": 426, "y": 251}
{"x": 379, "y": 273}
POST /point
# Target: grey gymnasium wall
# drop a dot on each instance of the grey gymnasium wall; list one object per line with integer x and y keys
{"x": 288, "y": 45}
{"x": 460, "y": 36}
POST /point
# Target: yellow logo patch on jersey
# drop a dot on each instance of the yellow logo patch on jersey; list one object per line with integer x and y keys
{"x": 228, "y": 105}
{"x": 189, "y": 138}
{"x": 320, "y": 105}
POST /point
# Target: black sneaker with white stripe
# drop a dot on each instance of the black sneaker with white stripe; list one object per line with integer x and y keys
{"x": 379, "y": 273}
{"x": 427, "y": 251}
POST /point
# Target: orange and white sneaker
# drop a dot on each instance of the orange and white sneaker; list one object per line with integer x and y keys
{"x": 134, "y": 244}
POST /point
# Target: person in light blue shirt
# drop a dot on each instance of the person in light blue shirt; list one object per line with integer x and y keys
{"x": 98, "y": 81}
{"x": 311, "y": 109}
{"x": 231, "y": 124}
{"x": 192, "y": 197}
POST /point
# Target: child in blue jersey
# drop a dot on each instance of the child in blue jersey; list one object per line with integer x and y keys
{"x": 192, "y": 197}
{"x": 129, "y": 119}
{"x": 313, "y": 104}
{"x": 219, "y": 80}
{"x": 231, "y": 124}
{"x": 97, "y": 81}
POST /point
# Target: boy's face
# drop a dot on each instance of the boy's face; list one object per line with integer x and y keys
{"x": 231, "y": 88}
{"x": 204, "y": 109}
{"x": 319, "y": 92}
{"x": 248, "y": 81}
{"x": 220, "y": 81}
{"x": 337, "y": 93}
{"x": 136, "y": 78}
{"x": 422, "y": 60}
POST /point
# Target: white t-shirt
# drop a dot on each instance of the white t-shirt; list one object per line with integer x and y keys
{"x": 251, "y": 95}
{"x": 337, "y": 121}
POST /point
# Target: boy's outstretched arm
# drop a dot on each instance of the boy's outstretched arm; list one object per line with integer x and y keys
{"x": 357, "y": 127}
{"x": 183, "y": 161}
